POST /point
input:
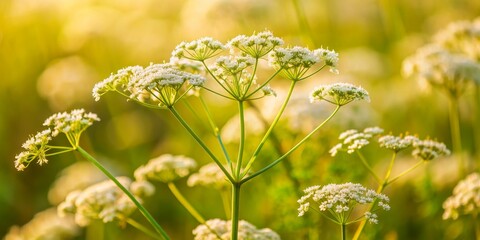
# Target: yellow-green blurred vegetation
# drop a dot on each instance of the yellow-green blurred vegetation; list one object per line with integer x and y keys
{"x": 52, "y": 52}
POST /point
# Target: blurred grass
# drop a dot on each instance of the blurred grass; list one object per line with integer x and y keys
{"x": 373, "y": 37}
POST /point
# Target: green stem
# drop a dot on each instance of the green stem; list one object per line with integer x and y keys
{"x": 235, "y": 209}
{"x": 405, "y": 172}
{"x": 380, "y": 189}
{"x": 178, "y": 195}
{"x": 455, "y": 132}
{"x": 241, "y": 146}
{"x": 344, "y": 231}
{"x": 200, "y": 142}
{"x": 278, "y": 148}
{"x": 140, "y": 207}
{"x": 142, "y": 228}
{"x": 292, "y": 149}
{"x": 269, "y": 131}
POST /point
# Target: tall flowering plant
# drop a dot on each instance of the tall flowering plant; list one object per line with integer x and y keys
{"x": 207, "y": 66}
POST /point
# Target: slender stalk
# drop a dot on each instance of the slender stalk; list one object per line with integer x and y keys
{"x": 241, "y": 146}
{"x": 142, "y": 228}
{"x": 380, "y": 189}
{"x": 405, "y": 172}
{"x": 235, "y": 209}
{"x": 344, "y": 231}
{"x": 199, "y": 141}
{"x": 269, "y": 131}
{"x": 140, "y": 207}
{"x": 179, "y": 196}
{"x": 455, "y": 132}
{"x": 292, "y": 149}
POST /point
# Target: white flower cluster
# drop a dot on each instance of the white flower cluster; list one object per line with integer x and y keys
{"x": 71, "y": 124}
{"x": 353, "y": 140}
{"x": 294, "y": 62}
{"x": 451, "y": 60}
{"x": 257, "y": 45}
{"x": 465, "y": 198}
{"x": 157, "y": 84}
{"x": 339, "y": 93}
{"x": 330, "y": 58}
{"x": 45, "y": 225}
{"x": 165, "y": 168}
{"x": 222, "y": 230}
{"x": 209, "y": 175}
{"x": 232, "y": 74}
{"x": 429, "y": 149}
{"x": 339, "y": 200}
{"x": 461, "y": 37}
{"x": 199, "y": 50}
{"x": 104, "y": 201}
{"x": 397, "y": 143}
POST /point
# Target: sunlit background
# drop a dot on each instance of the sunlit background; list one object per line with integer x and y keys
{"x": 52, "y": 52}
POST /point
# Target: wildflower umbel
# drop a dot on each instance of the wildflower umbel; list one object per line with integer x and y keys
{"x": 337, "y": 201}
{"x": 339, "y": 93}
{"x": 465, "y": 198}
{"x": 429, "y": 149}
{"x": 353, "y": 140}
{"x": 397, "y": 143}
{"x": 158, "y": 85}
{"x": 199, "y": 50}
{"x": 104, "y": 201}
{"x": 222, "y": 230}
{"x": 37, "y": 147}
{"x": 165, "y": 168}
{"x": 209, "y": 175}
{"x": 257, "y": 45}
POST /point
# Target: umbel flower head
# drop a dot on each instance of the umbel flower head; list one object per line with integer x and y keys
{"x": 199, "y": 50}
{"x": 37, "y": 147}
{"x": 209, "y": 175}
{"x": 103, "y": 201}
{"x": 222, "y": 230}
{"x": 337, "y": 201}
{"x": 158, "y": 85}
{"x": 339, "y": 93}
{"x": 45, "y": 225}
{"x": 353, "y": 140}
{"x": 165, "y": 168}
{"x": 465, "y": 198}
{"x": 441, "y": 68}
{"x": 257, "y": 45}
{"x": 461, "y": 37}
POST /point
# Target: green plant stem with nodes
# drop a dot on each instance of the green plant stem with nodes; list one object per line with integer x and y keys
{"x": 179, "y": 196}
{"x": 455, "y": 132}
{"x": 343, "y": 227}
{"x": 242, "y": 140}
{"x": 292, "y": 149}
{"x": 142, "y": 228}
{"x": 140, "y": 207}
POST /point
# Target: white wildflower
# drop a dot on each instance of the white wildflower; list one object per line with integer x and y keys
{"x": 330, "y": 57}
{"x": 72, "y": 123}
{"x": 104, "y": 201}
{"x": 465, "y": 198}
{"x": 339, "y": 200}
{"x": 339, "y": 93}
{"x": 396, "y": 143}
{"x": 209, "y": 175}
{"x": 165, "y": 168}
{"x": 257, "y": 45}
{"x": 222, "y": 230}
{"x": 198, "y": 50}
{"x": 45, "y": 225}
{"x": 429, "y": 149}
